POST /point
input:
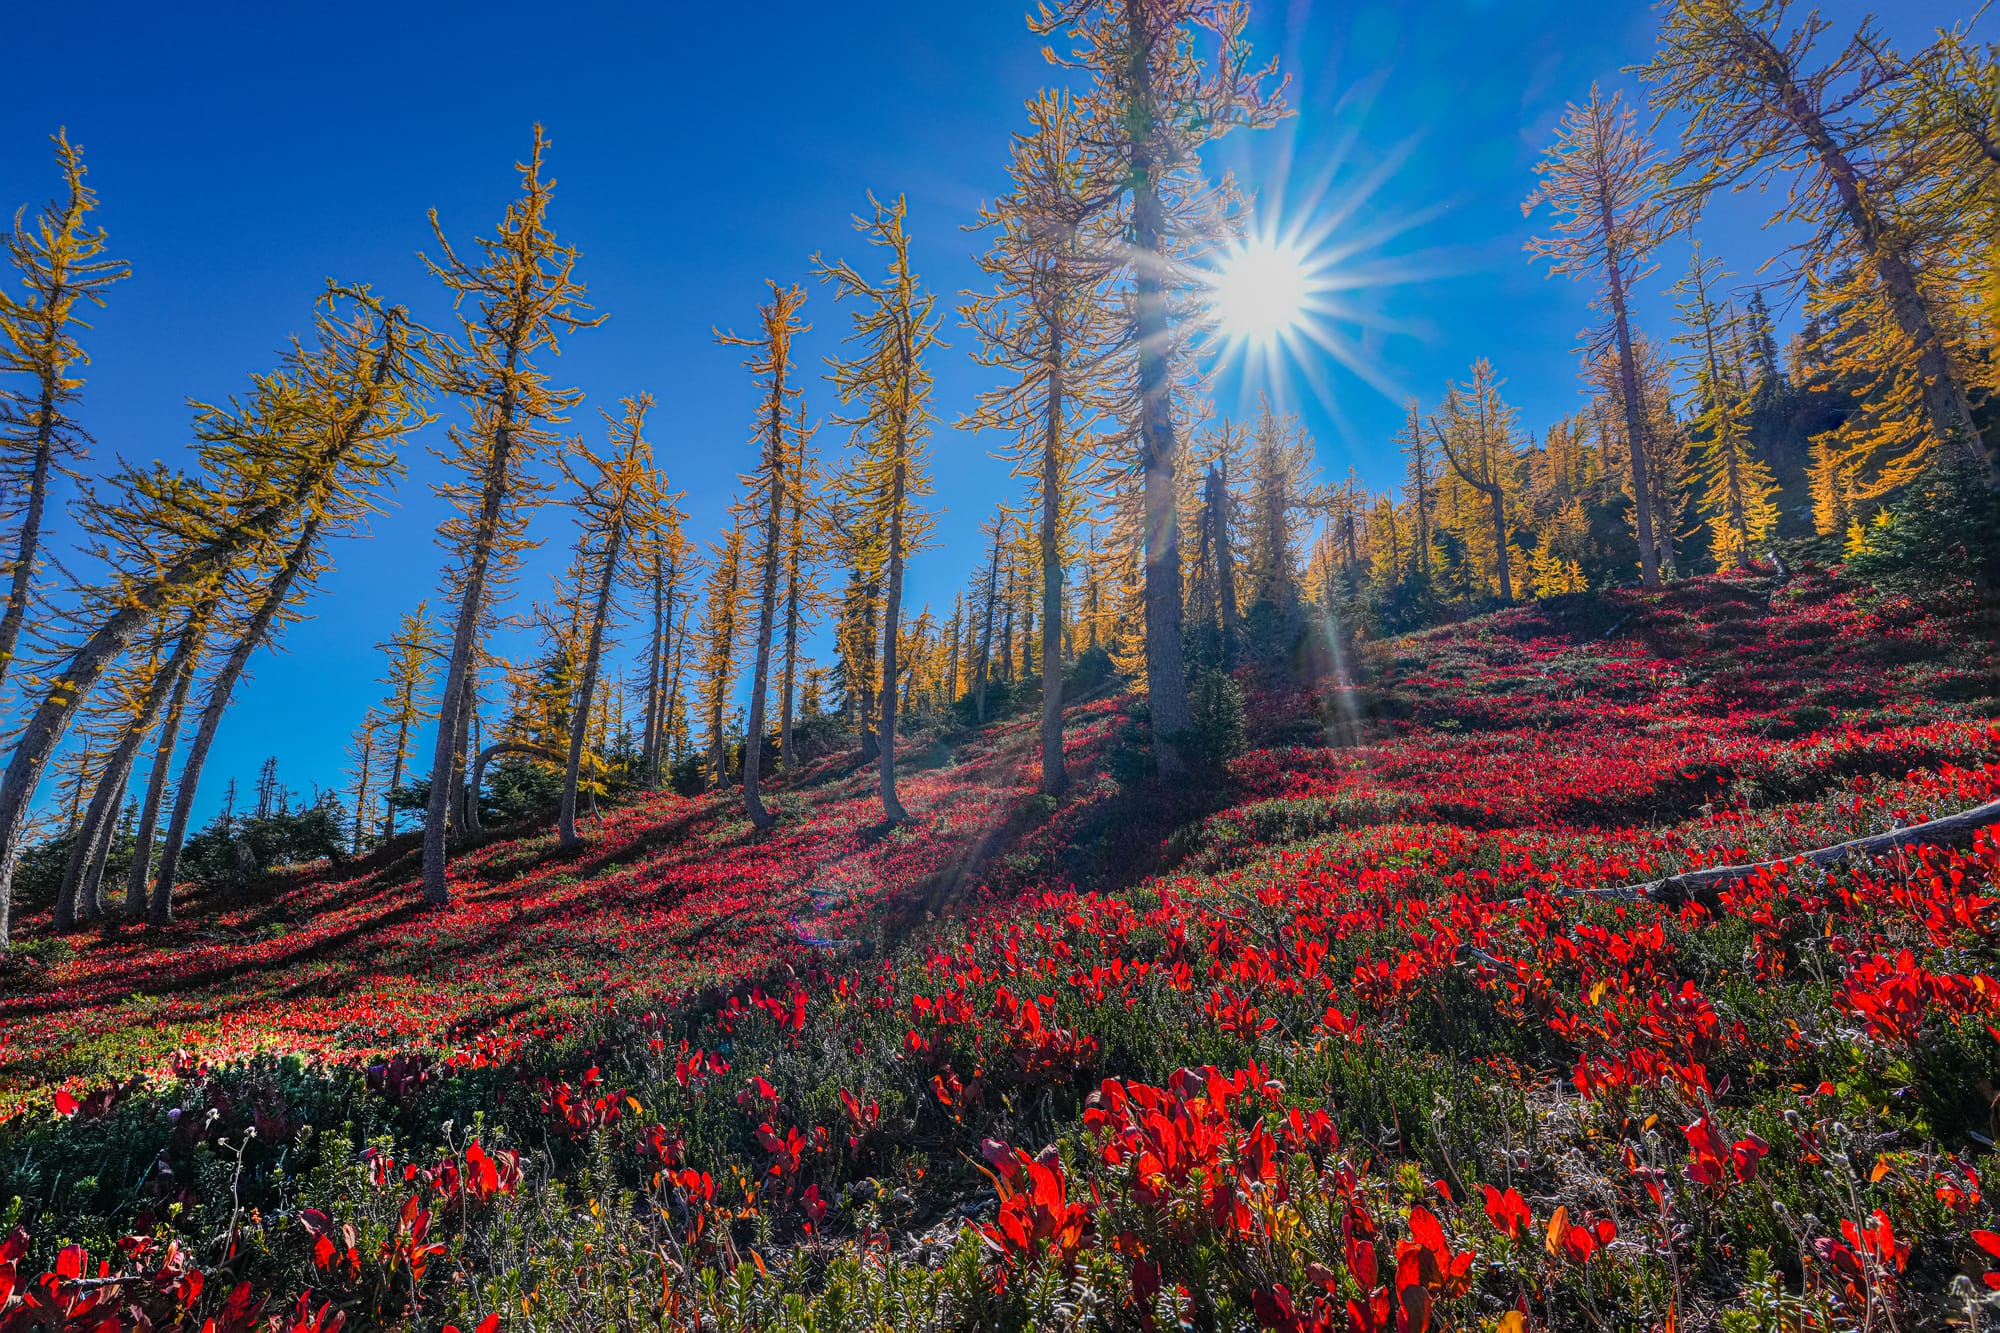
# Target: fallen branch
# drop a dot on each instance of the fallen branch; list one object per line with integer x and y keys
{"x": 1676, "y": 889}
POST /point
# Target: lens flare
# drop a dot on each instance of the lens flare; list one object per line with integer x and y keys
{"x": 1260, "y": 291}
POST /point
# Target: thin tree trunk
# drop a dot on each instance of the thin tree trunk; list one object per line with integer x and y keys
{"x": 139, "y": 874}
{"x": 361, "y": 788}
{"x": 79, "y": 898}
{"x": 655, "y": 667}
{"x": 219, "y": 691}
{"x": 21, "y": 589}
{"x": 1945, "y": 400}
{"x": 767, "y": 610}
{"x": 1055, "y": 778}
{"x": 986, "y": 634}
{"x": 580, "y": 722}
{"x": 788, "y": 685}
{"x": 1166, "y": 675}
{"x": 455, "y": 702}
{"x": 892, "y": 613}
{"x": 1225, "y": 572}
{"x": 1628, "y": 387}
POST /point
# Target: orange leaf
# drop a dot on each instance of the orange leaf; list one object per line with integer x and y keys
{"x": 1552, "y": 1239}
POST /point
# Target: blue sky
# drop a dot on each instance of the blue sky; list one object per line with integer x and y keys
{"x": 245, "y": 152}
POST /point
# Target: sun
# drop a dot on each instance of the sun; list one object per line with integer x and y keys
{"x": 1261, "y": 289}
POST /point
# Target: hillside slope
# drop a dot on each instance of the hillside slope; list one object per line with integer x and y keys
{"x": 1329, "y": 1042}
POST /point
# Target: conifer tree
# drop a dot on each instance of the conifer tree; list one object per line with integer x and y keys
{"x": 1477, "y": 439}
{"x": 271, "y": 603}
{"x": 1420, "y": 484}
{"x": 721, "y": 634}
{"x": 316, "y": 441}
{"x": 1048, "y": 323}
{"x": 78, "y": 898}
{"x": 988, "y": 604}
{"x": 60, "y": 262}
{"x": 364, "y": 761}
{"x": 1755, "y": 103}
{"x": 413, "y": 653}
{"x": 523, "y": 293}
{"x": 767, "y": 493}
{"x": 894, "y": 326}
{"x": 804, "y": 542}
{"x": 615, "y": 495}
{"x": 1596, "y": 179}
{"x": 139, "y": 874}
{"x": 1154, "y": 102}
{"x": 663, "y": 562}
{"x": 1736, "y": 500}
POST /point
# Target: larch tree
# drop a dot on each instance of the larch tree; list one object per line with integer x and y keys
{"x": 987, "y": 603}
{"x": 895, "y": 324}
{"x": 153, "y": 682}
{"x": 413, "y": 653}
{"x": 138, "y": 875}
{"x": 1738, "y": 488}
{"x": 1477, "y": 437}
{"x": 364, "y": 763}
{"x": 805, "y": 540}
{"x": 767, "y": 495}
{"x": 60, "y": 261}
{"x": 721, "y": 636}
{"x": 663, "y": 561}
{"x": 616, "y": 494}
{"x": 1755, "y": 105}
{"x": 1597, "y": 180}
{"x": 316, "y": 442}
{"x": 523, "y": 293}
{"x": 1048, "y": 323}
{"x": 1420, "y": 484}
{"x": 268, "y": 606}
{"x": 1167, "y": 78}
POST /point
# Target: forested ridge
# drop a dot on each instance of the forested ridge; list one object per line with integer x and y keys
{"x": 1259, "y": 900}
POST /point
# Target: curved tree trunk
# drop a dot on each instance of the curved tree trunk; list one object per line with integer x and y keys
{"x": 21, "y": 589}
{"x": 586, "y": 688}
{"x": 219, "y": 691}
{"x": 498, "y": 748}
{"x": 79, "y": 898}
{"x": 139, "y": 875}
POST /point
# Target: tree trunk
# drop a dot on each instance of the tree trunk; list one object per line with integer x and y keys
{"x": 455, "y": 702}
{"x": 219, "y": 691}
{"x": 767, "y": 610}
{"x": 1225, "y": 571}
{"x": 498, "y": 748}
{"x": 1628, "y": 388}
{"x": 1945, "y": 400}
{"x": 655, "y": 678}
{"x": 1166, "y": 675}
{"x": 137, "y": 877}
{"x": 580, "y": 723}
{"x": 21, "y": 590}
{"x": 986, "y": 633}
{"x": 1055, "y": 778}
{"x": 892, "y": 613}
{"x": 80, "y": 898}
{"x": 789, "y": 674}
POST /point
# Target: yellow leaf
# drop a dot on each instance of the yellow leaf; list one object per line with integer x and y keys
{"x": 1558, "y": 1230}
{"x": 1597, "y": 991}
